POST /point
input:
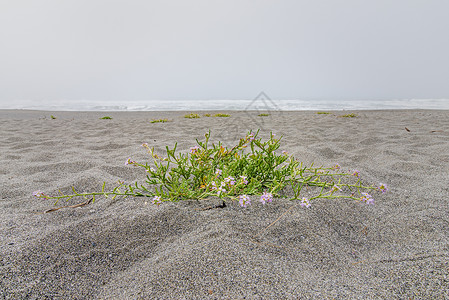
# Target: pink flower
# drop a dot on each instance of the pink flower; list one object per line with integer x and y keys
{"x": 230, "y": 180}
{"x": 335, "y": 188}
{"x": 244, "y": 200}
{"x": 305, "y": 202}
{"x": 129, "y": 161}
{"x": 266, "y": 198}
{"x": 367, "y": 198}
{"x": 157, "y": 200}
{"x": 194, "y": 150}
{"x": 221, "y": 189}
{"x": 383, "y": 188}
{"x": 40, "y": 194}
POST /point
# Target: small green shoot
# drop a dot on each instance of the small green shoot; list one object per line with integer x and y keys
{"x": 221, "y": 115}
{"x": 106, "y": 118}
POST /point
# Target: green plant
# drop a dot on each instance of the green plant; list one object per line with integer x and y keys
{"x": 160, "y": 121}
{"x": 52, "y": 117}
{"x": 349, "y": 116}
{"x": 251, "y": 168}
{"x": 106, "y": 118}
{"x": 221, "y": 115}
{"x": 263, "y": 115}
{"x": 323, "y": 113}
{"x": 206, "y": 115}
{"x": 192, "y": 116}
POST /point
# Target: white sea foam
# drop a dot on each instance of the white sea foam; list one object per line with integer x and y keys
{"x": 260, "y": 104}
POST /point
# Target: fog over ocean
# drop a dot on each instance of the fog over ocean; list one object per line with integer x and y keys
{"x": 263, "y": 103}
{"x": 97, "y": 55}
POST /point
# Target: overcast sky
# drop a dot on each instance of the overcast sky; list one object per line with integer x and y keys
{"x": 230, "y": 49}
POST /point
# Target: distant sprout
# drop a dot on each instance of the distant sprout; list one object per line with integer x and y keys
{"x": 192, "y": 116}
{"x": 52, "y": 117}
{"x": 160, "y": 121}
{"x": 206, "y": 115}
{"x": 349, "y": 116}
{"x": 106, "y": 118}
{"x": 221, "y": 115}
{"x": 323, "y": 113}
{"x": 263, "y": 115}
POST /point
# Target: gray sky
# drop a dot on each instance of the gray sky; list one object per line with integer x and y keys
{"x": 231, "y": 49}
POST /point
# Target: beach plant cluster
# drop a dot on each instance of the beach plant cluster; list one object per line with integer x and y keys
{"x": 197, "y": 116}
{"x": 159, "y": 121}
{"x": 192, "y": 116}
{"x": 253, "y": 169}
{"x": 349, "y": 116}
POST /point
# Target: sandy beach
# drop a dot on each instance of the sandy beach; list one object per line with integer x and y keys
{"x": 132, "y": 249}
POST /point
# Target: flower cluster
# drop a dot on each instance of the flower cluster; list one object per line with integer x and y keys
{"x": 334, "y": 189}
{"x": 227, "y": 184}
{"x": 383, "y": 188}
{"x": 244, "y": 201}
{"x": 221, "y": 189}
{"x": 194, "y": 150}
{"x": 40, "y": 194}
{"x": 157, "y": 200}
{"x": 367, "y": 198}
{"x": 305, "y": 202}
{"x": 129, "y": 161}
{"x": 266, "y": 198}
{"x": 230, "y": 181}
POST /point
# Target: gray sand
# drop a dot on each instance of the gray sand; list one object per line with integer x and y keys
{"x": 130, "y": 248}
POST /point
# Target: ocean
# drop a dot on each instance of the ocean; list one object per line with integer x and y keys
{"x": 259, "y": 104}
